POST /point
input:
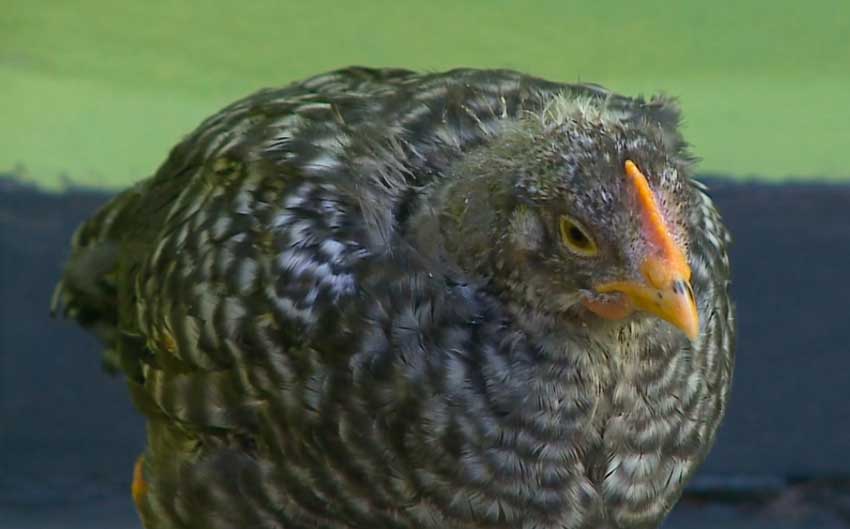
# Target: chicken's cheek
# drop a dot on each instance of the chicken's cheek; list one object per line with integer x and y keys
{"x": 609, "y": 307}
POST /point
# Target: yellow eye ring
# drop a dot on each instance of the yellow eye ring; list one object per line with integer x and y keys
{"x": 576, "y": 238}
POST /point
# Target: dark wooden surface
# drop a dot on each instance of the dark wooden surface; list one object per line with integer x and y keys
{"x": 68, "y": 435}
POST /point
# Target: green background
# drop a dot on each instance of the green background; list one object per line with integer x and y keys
{"x": 95, "y": 92}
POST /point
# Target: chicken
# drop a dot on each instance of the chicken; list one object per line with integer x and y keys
{"x": 384, "y": 299}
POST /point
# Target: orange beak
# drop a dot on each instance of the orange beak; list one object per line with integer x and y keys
{"x": 664, "y": 288}
{"x": 666, "y": 295}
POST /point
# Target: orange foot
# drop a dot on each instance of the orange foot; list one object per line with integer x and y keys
{"x": 139, "y": 487}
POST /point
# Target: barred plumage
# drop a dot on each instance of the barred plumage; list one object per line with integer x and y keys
{"x": 341, "y": 304}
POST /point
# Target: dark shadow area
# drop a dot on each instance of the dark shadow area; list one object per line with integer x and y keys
{"x": 68, "y": 434}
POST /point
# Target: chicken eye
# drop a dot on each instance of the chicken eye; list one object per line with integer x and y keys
{"x": 576, "y": 238}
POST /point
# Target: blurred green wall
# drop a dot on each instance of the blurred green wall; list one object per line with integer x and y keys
{"x": 97, "y": 91}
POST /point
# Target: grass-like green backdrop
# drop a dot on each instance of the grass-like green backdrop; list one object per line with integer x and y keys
{"x": 97, "y": 91}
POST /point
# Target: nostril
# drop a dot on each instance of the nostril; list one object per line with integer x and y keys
{"x": 690, "y": 292}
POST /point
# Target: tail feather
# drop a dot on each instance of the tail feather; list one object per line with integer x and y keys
{"x": 88, "y": 289}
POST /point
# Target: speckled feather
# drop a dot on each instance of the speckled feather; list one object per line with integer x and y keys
{"x": 310, "y": 351}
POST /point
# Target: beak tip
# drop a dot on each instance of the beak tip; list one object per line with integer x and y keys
{"x": 685, "y": 317}
{"x": 692, "y": 331}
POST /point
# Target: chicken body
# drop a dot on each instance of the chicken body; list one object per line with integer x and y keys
{"x": 326, "y": 326}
